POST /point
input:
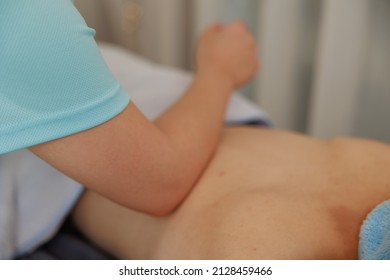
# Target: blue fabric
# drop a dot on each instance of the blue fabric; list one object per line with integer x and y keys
{"x": 375, "y": 234}
{"x": 53, "y": 79}
{"x": 67, "y": 245}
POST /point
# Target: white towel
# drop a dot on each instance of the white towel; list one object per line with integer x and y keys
{"x": 35, "y": 198}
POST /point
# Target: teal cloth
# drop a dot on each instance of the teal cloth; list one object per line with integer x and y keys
{"x": 53, "y": 80}
{"x": 375, "y": 234}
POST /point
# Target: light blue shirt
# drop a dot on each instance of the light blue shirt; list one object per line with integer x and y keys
{"x": 53, "y": 79}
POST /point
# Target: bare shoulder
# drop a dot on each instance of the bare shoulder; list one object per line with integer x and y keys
{"x": 361, "y": 146}
{"x": 348, "y": 147}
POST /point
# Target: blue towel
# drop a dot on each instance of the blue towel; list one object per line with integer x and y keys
{"x": 374, "y": 241}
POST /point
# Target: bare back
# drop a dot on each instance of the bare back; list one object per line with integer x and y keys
{"x": 265, "y": 195}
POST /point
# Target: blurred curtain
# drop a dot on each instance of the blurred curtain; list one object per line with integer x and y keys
{"x": 325, "y": 63}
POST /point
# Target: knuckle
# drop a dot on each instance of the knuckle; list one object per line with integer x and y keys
{"x": 250, "y": 40}
{"x": 238, "y": 25}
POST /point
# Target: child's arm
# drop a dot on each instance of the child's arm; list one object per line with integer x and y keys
{"x": 151, "y": 167}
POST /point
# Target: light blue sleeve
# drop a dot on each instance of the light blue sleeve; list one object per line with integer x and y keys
{"x": 53, "y": 79}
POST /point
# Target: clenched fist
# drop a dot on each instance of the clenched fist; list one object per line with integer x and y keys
{"x": 228, "y": 52}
